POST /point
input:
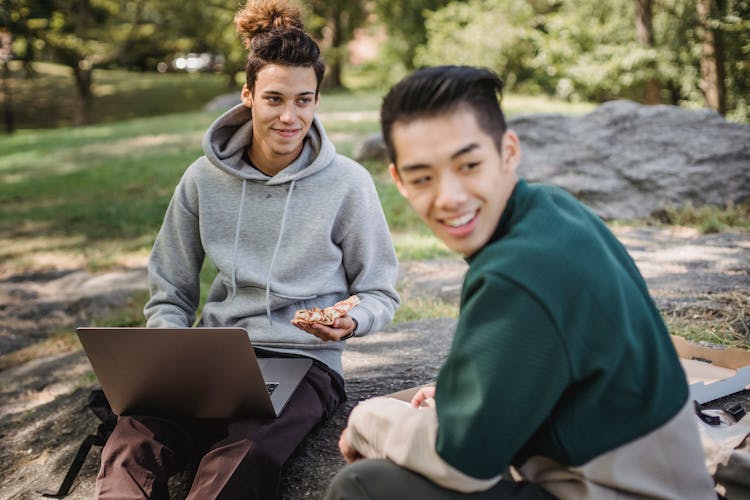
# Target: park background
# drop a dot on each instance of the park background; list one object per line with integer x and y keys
{"x": 104, "y": 104}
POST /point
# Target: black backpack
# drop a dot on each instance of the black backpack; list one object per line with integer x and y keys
{"x": 99, "y": 405}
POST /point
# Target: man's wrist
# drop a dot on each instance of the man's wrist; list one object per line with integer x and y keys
{"x": 351, "y": 334}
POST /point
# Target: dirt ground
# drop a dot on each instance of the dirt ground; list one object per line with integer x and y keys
{"x": 43, "y": 414}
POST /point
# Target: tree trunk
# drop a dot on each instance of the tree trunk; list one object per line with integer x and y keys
{"x": 712, "y": 82}
{"x": 84, "y": 85}
{"x": 7, "y": 100}
{"x": 28, "y": 58}
{"x": 83, "y": 70}
{"x": 333, "y": 77}
{"x": 644, "y": 33}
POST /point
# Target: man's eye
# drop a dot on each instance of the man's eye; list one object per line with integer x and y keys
{"x": 274, "y": 99}
{"x": 469, "y": 166}
{"x": 304, "y": 100}
{"x": 420, "y": 180}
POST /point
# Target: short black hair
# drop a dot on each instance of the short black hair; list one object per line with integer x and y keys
{"x": 437, "y": 90}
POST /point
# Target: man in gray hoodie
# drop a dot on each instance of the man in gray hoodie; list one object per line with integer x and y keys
{"x": 289, "y": 225}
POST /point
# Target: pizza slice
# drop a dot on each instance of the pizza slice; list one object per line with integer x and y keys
{"x": 325, "y": 316}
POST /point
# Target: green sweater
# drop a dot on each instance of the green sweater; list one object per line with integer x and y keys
{"x": 559, "y": 350}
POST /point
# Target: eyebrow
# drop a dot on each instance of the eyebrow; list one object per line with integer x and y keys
{"x": 279, "y": 93}
{"x": 464, "y": 150}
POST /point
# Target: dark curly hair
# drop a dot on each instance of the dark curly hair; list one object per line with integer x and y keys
{"x": 274, "y": 33}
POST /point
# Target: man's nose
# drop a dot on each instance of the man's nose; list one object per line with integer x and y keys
{"x": 451, "y": 192}
{"x": 289, "y": 113}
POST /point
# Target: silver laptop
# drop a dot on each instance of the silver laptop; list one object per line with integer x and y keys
{"x": 189, "y": 372}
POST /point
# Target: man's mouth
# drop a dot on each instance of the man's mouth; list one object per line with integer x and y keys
{"x": 461, "y": 220}
{"x": 287, "y": 132}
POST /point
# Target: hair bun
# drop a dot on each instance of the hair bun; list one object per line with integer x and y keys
{"x": 262, "y": 16}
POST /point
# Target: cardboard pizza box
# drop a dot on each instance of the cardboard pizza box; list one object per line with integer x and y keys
{"x": 713, "y": 372}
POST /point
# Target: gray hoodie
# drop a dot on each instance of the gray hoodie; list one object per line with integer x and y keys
{"x": 307, "y": 237}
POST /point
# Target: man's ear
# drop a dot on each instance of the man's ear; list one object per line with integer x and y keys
{"x": 247, "y": 96}
{"x": 511, "y": 151}
{"x": 397, "y": 179}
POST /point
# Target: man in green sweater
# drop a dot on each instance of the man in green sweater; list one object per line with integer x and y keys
{"x": 560, "y": 366}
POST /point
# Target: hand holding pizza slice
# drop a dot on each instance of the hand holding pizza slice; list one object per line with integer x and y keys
{"x": 330, "y": 324}
{"x": 325, "y": 316}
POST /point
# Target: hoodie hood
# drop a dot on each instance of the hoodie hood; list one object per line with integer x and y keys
{"x": 230, "y": 135}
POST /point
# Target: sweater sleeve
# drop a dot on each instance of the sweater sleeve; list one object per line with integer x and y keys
{"x": 506, "y": 370}
{"x": 388, "y": 428}
{"x": 370, "y": 261}
{"x": 175, "y": 264}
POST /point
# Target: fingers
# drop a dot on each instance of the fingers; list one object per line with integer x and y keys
{"x": 349, "y": 453}
{"x": 341, "y": 327}
{"x": 325, "y": 333}
{"x": 422, "y": 395}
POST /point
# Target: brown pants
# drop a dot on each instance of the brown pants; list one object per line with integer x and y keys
{"x": 236, "y": 458}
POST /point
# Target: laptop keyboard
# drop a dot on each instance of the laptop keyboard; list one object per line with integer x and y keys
{"x": 271, "y": 387}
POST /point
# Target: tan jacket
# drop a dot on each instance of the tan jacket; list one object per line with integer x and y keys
{"x": 667, "y": 463}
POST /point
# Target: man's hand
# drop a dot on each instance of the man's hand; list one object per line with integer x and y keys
{"x": 424, "y": 397}
{"x": 341, "y": 328}
{"x": 349, "y": 453}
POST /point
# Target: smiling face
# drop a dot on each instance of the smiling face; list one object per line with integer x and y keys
{"x": 453, "y": 175}
{"x": 283, "y": 104}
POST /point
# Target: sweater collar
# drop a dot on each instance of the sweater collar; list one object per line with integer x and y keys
{"x": 503, "y": 225}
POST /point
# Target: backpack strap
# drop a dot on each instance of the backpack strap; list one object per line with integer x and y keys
{"x": 99, "y": 405}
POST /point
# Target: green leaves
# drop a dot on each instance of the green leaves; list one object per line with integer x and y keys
{"x": 588, "y": 50}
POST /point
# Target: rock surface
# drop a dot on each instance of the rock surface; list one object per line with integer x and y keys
{"x": 371, "y": 148}
{"x": 222, "y": 103}
{"x": 35, "y": 305}
{"x": 43, "y": 414}
{"x": 626, "y": 160}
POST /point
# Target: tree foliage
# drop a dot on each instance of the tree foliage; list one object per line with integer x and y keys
{"x": 204, "y": 27}
{"x": 134, "y": 34}
{"x": 590, "y": 49}
{"x": 83, "y": 34}
{"x": 406, "y": 26}
{"x": 646, "y": 50}
{"x": 335, "y": 23}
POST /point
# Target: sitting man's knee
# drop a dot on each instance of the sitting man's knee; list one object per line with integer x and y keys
{"x": 359, "y": 480}
{"x": 346, "y": 484}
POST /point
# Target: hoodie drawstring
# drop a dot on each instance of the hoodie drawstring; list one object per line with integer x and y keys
{"x": 237, "y": 239}
{"x": 276, "y": 251}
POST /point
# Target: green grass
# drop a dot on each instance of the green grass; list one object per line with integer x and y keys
{"x": 419, "y": 244}
{"x": 342, "y": 101}
{"x": 707, "y": 219}
{"x": 425, "y": 308}
{"x": 99, "y": 191}
{"x": 722, "y": 319}
{"x": 49, "y": 99}
{"x": 515, "y": 104}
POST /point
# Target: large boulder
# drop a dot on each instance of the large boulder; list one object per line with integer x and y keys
{"x": 223, "y": 102}
{"x": 371, "y": 148}
{"x": 626, "y": 160}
